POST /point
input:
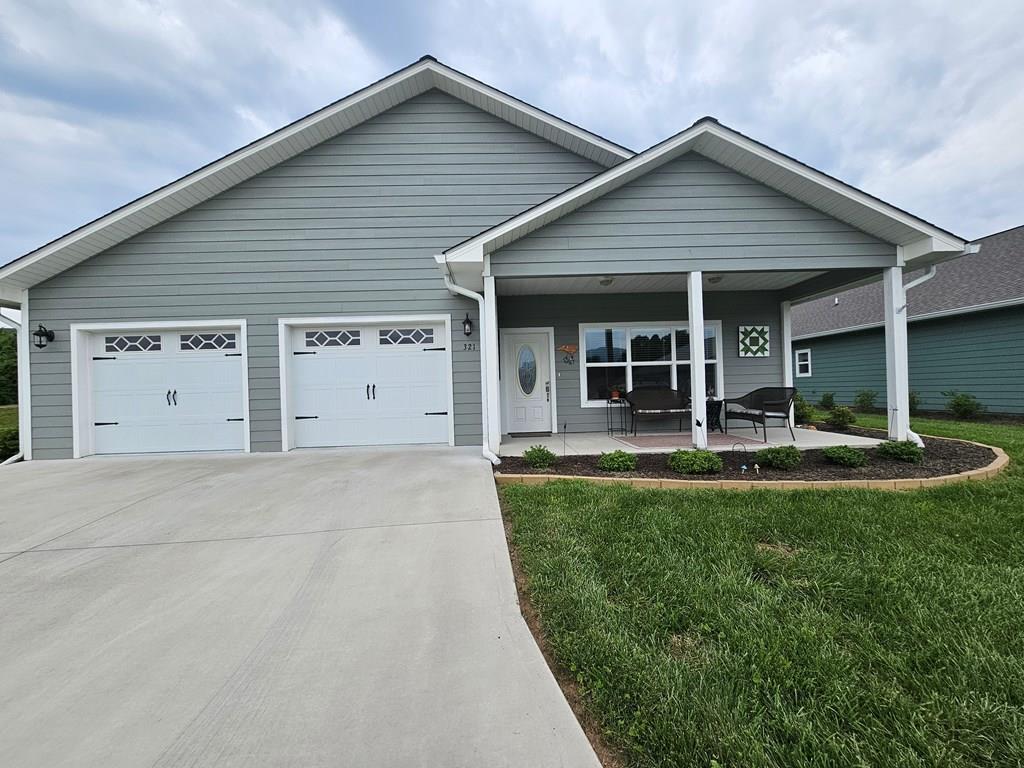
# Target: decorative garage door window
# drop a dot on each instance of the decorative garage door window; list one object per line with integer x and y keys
{"x": 336, "y": 338}
{"x": 196, "y": 342}
{"x": 754, "y": 341}
{"x": 134, "y": 343}
{"x": 406, "y": 336}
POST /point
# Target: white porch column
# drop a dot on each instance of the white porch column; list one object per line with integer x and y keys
{"x": 489, "y": 348}
{"x": 786, "y": 310}
{"x": 698, "y": 387}
{"x": 897, "y": 371}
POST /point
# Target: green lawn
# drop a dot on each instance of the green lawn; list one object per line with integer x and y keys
{"x": 8, "y": 416}
{"x": 806, "y": 628}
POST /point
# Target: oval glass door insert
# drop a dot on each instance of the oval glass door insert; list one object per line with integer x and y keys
{"x": 527, "y": 365}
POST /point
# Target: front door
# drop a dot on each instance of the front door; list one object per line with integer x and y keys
{"x": 527, "y": 381}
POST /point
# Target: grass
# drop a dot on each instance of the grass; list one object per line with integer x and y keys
{"x": 8, "y": 416}
{"x": 804, "y": 628}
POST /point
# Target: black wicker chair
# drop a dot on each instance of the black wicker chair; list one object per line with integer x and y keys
{"x": 759, "y": 406}
{"x": 657, "y": 401}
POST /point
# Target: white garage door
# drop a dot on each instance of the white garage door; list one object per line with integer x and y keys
{"x": 369, "y": 385}
{"x": 163, "y": 391}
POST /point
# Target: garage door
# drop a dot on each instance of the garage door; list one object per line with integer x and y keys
{"x": 163, "y": 391}
{"x": 369, "y": 385}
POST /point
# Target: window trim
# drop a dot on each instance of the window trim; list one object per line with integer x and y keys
{"x": 797, "y": 362}
{"x": 672, "y": 325}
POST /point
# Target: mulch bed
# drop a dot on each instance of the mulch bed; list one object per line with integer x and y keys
{"x": 941, "y": 457}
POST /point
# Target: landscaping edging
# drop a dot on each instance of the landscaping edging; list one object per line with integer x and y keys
{"x": 903, "y": 484}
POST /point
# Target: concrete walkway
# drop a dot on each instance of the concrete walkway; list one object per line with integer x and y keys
{"x": 350, "y": 608}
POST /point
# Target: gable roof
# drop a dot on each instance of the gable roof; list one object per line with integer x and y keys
{"x": 244, "y": 163}
{"x": 921, "y": 240}
{"x": 991, "y": 278}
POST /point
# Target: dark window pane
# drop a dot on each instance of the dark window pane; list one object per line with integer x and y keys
{"x": 710, "y": 382}
{"x": 649, "y": 345}
{"x": 652, "y": 376}
{"x": 711, "y": 379}
{"x": 605, "y": 345}
{"x": 683, "y": 379}
{"x": 682, "y": 345}
{"x": 601, "y": 381}
{"x": 710, "y": 347}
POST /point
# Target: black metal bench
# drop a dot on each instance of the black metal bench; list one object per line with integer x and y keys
{"x": 759, "y": 406}
{"x": 657, "y": 401}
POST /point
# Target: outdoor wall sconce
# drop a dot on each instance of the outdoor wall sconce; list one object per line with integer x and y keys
{"x": 43, "y": 336}
{"x": 467, "y": 326}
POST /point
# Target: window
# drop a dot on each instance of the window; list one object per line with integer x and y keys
{"x": 803, "y": 362}
{"x": 137, "y": 343}
{"x": 627, "y": 357}
{"x": 207, "y": 341}
{"x": 387, "y": 336}
{"x": 328, "y": 338}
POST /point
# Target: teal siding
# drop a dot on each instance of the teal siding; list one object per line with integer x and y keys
{"x": 348, "y": 227}
{"x": 981, "y": 353}
{"x": 691, "y": 214}
{"x": 566, "y": 313}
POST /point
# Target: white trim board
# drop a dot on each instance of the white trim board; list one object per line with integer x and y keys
{"x": 718, "y": 142}
{"x": 25, "y": 381}
{"x": 286, "y": 324}
{"x": 552, "y": 372}
{"x": 289, "y": 141}
{"x": 937, "y": 315}
{"x": 81, "y": 418}
{"x": 671, "y": 324}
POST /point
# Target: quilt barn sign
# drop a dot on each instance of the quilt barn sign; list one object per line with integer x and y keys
{"x": 754, "y": 341}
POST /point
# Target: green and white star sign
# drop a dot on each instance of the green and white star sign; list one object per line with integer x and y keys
{"x": 754, "y": 341}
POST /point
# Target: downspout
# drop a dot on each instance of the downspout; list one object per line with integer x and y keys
{"x": 12, "y": 459}
{"x": 928, "y": 275}
{"x": 479, "y": 299}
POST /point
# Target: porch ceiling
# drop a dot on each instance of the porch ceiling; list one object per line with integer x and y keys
{"x": 663, "y": 283}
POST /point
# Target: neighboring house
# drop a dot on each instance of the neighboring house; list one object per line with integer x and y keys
{"x": 966, "y": 333}
{"x": 430, "y": 260}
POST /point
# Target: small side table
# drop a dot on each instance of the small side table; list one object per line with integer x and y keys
{"x": 611, "y": 406}
{"x": 714, "y": 408}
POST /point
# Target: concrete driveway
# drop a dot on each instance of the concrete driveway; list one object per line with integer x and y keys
{"x": 351, "y": 608}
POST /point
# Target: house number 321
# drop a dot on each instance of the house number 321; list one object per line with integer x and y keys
{"x": 469, "y": 346}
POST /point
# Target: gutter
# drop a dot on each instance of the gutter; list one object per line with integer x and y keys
{"x": 453, "y": 287}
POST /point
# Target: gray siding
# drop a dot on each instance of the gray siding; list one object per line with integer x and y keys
{"x": 348, "y": 227}
{"x": 566, "y": 313}
{"x": 689, "y": 214}
{"x": 981, "y": 353}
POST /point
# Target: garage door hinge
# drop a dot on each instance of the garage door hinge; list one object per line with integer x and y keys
{"x": 436, "y": 413}
{"x": 104, "y": 423}
{"x": 434, "y": 349}
{"x": 104, "y": 358}
{"x": 301, "y": 418}
{"x": 303, "y": 353}
{"x": 236, "y": 419}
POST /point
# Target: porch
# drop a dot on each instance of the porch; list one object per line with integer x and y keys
{"x": 594, "y": 443}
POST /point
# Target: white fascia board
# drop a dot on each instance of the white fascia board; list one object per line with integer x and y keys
{"x": 928, "y": 246}
{"x": 834, "y": 185}
{"x": 918, "y": 318}
{"x": 10, "y": 296}
{"x": 678, "y": 145}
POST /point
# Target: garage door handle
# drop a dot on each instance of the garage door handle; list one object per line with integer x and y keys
{"x": 303, "y": 418}
{"x": 174, "y": 397}
{"x": 374, "y": 391}
{"x": 436, "y": 413}
{"x": 168, "y": 397}
{"x": 367, "y": 391}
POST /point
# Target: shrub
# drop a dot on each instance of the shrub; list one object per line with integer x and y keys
{"x": 780, "y": 457}
{"x": 699, "y": 462}
{"x": 915, "y": 401}
{"x": 901, "y": 450}
{"x": 963, "y": 405}
{"x": 617, "y": 461}
{"x": 803, "y": 412}
{"x": 538, "y": 457}
{"x": 828, "y": 400}
{"x": 845, "y": 456}
{"x": 840, "y": 417}
{"x": 865, "y": 399}
{"x": 8, "y": 443}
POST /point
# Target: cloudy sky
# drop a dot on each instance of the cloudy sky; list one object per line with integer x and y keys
{"x": 104, "y": 100}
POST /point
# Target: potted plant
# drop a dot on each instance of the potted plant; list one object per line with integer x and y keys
{"x": 616, "y": 392}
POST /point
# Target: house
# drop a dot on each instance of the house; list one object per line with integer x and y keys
{"x": 430, "y": 260}
{"x": 966, "y": 332}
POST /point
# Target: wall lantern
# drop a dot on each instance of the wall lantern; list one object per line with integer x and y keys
{"x": 43, "y": 336}
{"x": 467, "y": 326}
